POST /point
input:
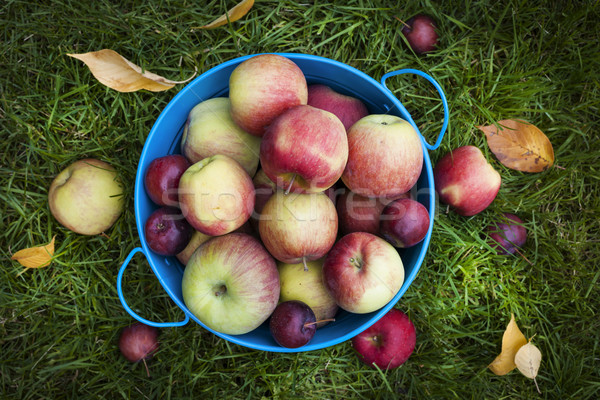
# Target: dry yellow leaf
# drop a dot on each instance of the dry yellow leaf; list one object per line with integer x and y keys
{"x": 528, "y": 360}
{"x": 232, "y": 15}
{"x": 519, "y": 145}
{"x": 512, "y": 341}
{"x": 116, "y": 72}
{"x": 35, "y": 257}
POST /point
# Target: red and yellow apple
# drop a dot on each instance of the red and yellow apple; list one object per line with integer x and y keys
{"x": 358, "y": 213}
{"x": 216, "y": 195}
{"x": 86, "y": 197}
{"x": 305, "y": 149}
{"x": 362, "y": 272}
{"x": 385, "y": 156}
{"x": 347, "y": 108}
{"x": 262, "y": 87}
{"x": 404, "y": 223}
{"x": 466, "y": 181}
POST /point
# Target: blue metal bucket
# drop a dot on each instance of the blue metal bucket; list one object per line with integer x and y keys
{"x": 165, "y": 138}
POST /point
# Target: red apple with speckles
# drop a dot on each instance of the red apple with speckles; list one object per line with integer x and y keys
{"x": 362, "y": 272}
{"x": 466, "y": 181}
{"x": 388, "y": 343}
{"x": 304, "y": 150}
{"x": 162, "y": 179}
{"x": 420, "y": 32}
{"x": 347, "y": 108}
{"x": 261, "y": 88}
{"x": 404, "y": 223}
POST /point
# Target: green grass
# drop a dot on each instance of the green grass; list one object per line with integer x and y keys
{"x": 59, "y": 326}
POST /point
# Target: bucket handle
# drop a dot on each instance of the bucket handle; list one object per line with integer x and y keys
{"x": 442, "y": 96}
{"x": 126, "y": 306}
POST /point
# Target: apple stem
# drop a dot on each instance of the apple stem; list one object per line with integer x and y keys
{"x": 304, "y": 263}
{"x": 318, "y": 322}
{"x": 287, "y": 191}
{"x": 403, "y": 23}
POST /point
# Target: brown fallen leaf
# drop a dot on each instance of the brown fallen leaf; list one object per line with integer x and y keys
{"x": 116, "y": 72}
{"x": 512, "y": 340}
{"x": 35, "y": 257}
{"x": 237, "y": 12}
{"x": 519, "y": 145}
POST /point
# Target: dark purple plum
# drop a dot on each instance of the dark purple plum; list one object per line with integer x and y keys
{"x": 162, "y": 179}
{"x": 507, "y": 234}
{"x": 138, "y": 342}
{"x": 404, "y": 223}
{"x": 167, "y": 231}
{"x": 420, "y": 32}
{"x": 293, "y": 324}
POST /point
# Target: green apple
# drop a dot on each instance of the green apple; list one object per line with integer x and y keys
{"x": 210, "y": 130}
{"x": 306, "y": 285}
{"x": 197, "y": 239}
{"x": 231, "y": 284}
{"x": 86, "y": 197}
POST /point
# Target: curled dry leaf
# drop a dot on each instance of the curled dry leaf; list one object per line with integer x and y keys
{"x": 519, "y": 145}
{"x": 116, "y": 72}
{"x": 232, "y": 15}
{"x": 512, "y": 340}
{"x": 35, "y": 257}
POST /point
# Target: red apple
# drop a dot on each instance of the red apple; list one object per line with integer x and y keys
{"x": 138, "y": 342}
{"x": 466, "y": 181}
{"x": 420, "y": 32}
{"x": 167, "y": 232}
{"x": 264, "y": 188}
{"x": 298, "y": 227}
{"x": 261, "y": 88}
{"x": 362, "y": 272}
{"x": 305, "y": 149}
{"x": 404, "y": 223}
{"x": 388, "y": 343}
{"x": 358, "y": 213}
{"x": 385, "y": 156}
{"x": 507, "y": 234}
{"x": 231, "y": 284}
{"x": 216, "y": 195}
{"x": 292, "y": 324}
{"x": 162, "y": 179}
{"x": 347, "y": 108}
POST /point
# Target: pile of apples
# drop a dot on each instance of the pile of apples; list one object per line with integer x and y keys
{"x": 288, "y": 201}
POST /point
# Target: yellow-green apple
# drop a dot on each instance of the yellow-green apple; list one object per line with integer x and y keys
{"x": 404, "y": 223}
{"x": 162, "y": 179}
{"x": 216, "y": 195}
{"x": 195, "y": 241}
{"x": 298, "y": 227}
{"x": 347, "y": 108}
{"x": 210, "y": 130}
{"x": 264, "y": 188}
{"x": 306, "y": 285}
{"x": 385, "y": 156}
{"x": 466, "y": 181}
{"x": 261, "y": 88}
{"x": 388, "y": 343}
{"x": 358, "y": 213}
{"x": 305, "y": 149}
{"x": 87, "y": 196}
{"x": 231, "y": 284}
{"x": 363, "y": 272}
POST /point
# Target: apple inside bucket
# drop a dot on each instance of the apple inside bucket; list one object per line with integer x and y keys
{"x": 165, "y": 138}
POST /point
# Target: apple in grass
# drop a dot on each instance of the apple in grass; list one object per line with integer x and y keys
{"x": 162, "y": 179}
{"x": 261, "y": 88}
{"x": 420, "y": 33}
{"x": 388, "y": 343}
{"x": 304, "y": 282}
{"x": 210, "y": 130}
{"x": 231, "y": 284}
{"x": 404, "y": 223}
{"x": 385, "y": 156}
{"x": 507, "y": 234}
{"x": 216, "y": 195}
{"x": 305, "y": 149}
{"x": 86, "y": 197}
{"x": 362, "y": 272}
{"x": 465, "y": 180}
{"x": 347, "y": 108}
{"x": 298, "y": 227}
